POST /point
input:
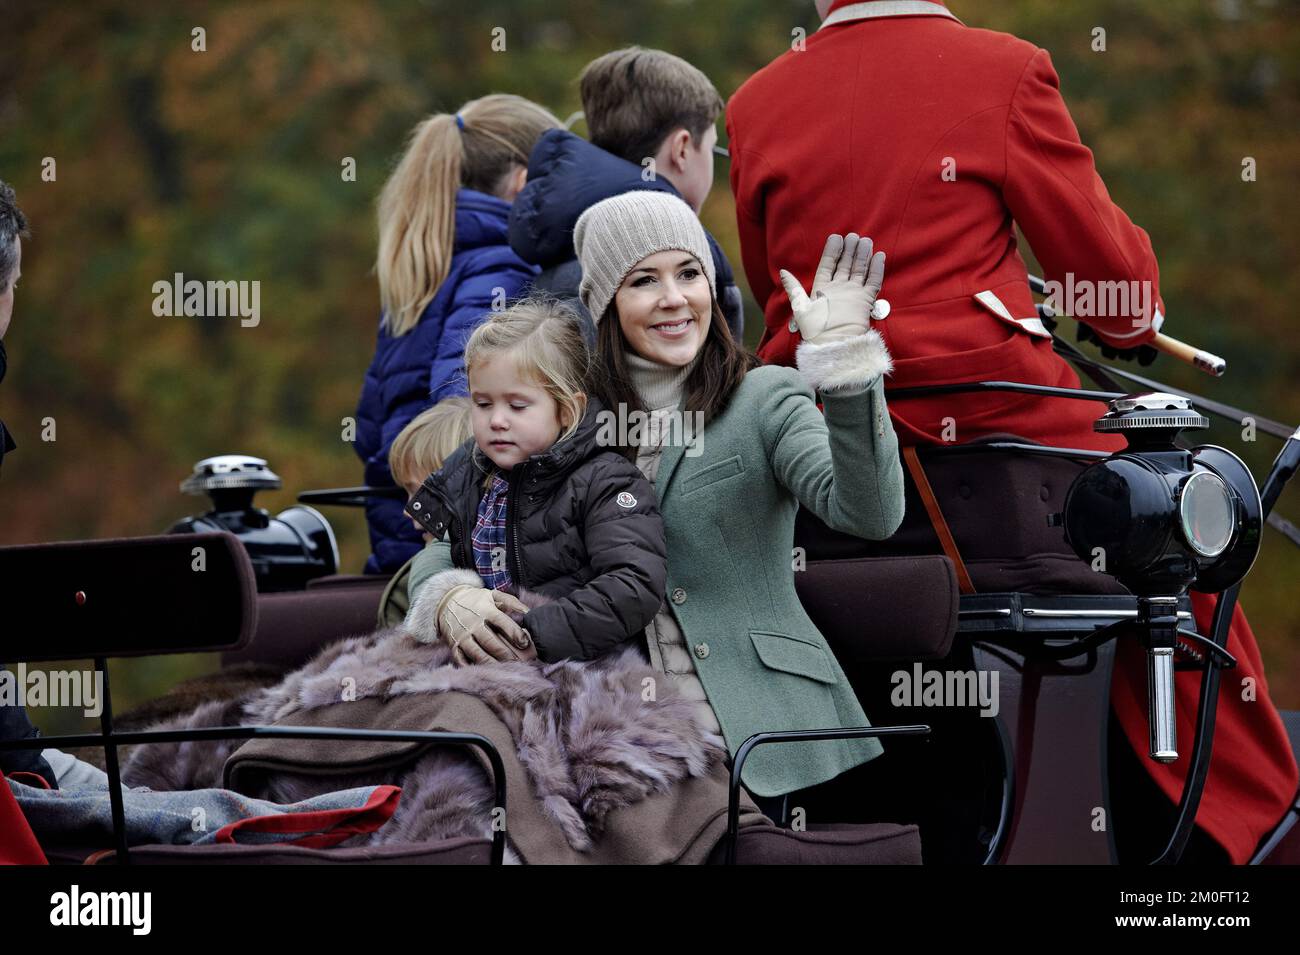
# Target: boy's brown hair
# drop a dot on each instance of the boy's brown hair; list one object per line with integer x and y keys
{"x": 634, "y": 97}
{"x": 428, "y": 439}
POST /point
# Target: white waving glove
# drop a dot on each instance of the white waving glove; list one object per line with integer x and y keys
{"x": 844, "y": 289}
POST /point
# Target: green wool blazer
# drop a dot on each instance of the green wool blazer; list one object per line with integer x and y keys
{"x": 728, "y": 498}
{"x": 729, "y": 509}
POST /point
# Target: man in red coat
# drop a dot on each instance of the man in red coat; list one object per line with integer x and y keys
{"x": 899, "y": 122}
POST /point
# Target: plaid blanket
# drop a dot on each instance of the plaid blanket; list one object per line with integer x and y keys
{"x": 202, "y": 816}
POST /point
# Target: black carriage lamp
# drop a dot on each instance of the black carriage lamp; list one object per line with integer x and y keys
{"x": 286, "y": 550}
{"x": 1163, "y": 519}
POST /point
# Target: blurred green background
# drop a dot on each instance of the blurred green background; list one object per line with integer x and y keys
{"x": 226, "y": 164}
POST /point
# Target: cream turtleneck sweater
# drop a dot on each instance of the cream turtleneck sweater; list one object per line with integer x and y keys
{"x": 661, "y": 388}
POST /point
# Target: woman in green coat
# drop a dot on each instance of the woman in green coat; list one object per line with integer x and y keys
{"x": 734, "y": 448}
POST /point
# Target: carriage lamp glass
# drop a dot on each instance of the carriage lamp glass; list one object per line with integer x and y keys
{"x": 1206, "y": 512}
{"x": 1164, "y": 518}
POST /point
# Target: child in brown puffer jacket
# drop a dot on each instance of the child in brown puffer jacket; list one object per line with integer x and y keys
{"x": 536, "y": 500}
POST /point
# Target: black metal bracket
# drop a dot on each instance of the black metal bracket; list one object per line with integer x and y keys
{"x": 1226, "y": 659}
{"x": 350, "y": 496}
{"x": 1015, "y": 447}
{"x": 1020, "y": 387}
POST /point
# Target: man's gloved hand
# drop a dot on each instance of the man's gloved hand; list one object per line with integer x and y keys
{"x": 1145, "y": 354}
{"x": 844, "y": 289}
{"x": 475, "y": 624}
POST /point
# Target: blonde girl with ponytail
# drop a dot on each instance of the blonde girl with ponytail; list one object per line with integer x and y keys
{"x": 444, "y": 263}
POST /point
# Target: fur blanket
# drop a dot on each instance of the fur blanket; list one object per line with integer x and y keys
{"x": 591, "y": 737}
{"x": 229, "y": 683}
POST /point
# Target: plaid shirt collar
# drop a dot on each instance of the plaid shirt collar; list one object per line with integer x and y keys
{"x": 489, "y": 538}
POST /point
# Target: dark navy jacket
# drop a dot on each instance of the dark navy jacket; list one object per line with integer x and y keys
{"x": 416, "y": 370}
{"x": 6, "y": 442}
{"x": 566, "y": 175}
{"x": 14, "y": 723}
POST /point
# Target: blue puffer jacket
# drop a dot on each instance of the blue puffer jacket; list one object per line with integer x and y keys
{"x": 416, "y": 370}
{"x": 566, "y": 175}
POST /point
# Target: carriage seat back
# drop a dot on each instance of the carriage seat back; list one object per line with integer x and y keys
{"x": 293, "y": 625}
{"x": 121, "y": 597}
{"x": 882, "y": 608}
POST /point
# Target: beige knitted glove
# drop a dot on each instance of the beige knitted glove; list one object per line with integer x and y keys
{"x": 473, "y": 621}
{"x": 844, "y": 289}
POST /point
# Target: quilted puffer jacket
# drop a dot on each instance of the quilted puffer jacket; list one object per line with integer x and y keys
{"x": 411, "y": 372}
{"x": 582, "y": 527}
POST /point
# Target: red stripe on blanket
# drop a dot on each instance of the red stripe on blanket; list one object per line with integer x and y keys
{"x": 35, "y": 780}
{"x": 18, "y": 845}
{"x": 323, "y": 829}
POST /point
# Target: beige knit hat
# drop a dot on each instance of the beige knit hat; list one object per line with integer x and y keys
{"x": 615, "y": 234}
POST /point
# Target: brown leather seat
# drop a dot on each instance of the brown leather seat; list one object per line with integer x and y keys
{"x": 873, "y": 844}
{"x": 882, "y": 608}
{"x": 869, "y": 608}
{"x": 293, "y": 625}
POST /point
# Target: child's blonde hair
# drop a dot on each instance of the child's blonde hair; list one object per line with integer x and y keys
{"x": 546, "y": 341}
{"x": 417, "y": 209}
{"x": 428, "y": 439}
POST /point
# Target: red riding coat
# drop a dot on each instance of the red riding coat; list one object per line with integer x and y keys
{"x": 933, "y": 138}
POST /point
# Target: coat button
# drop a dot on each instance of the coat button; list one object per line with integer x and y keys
{"x": 679, "y": 595}
{"x": 880, "y": 310}
{"x": 701, "y": 650}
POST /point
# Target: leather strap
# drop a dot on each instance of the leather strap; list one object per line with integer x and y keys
{"x": 887, "y": 8}
{"x": 936, "y": 519}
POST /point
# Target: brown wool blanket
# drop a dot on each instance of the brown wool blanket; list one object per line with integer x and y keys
{"x": 604, "y": 762}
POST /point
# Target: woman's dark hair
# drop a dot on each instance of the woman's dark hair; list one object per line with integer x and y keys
{"x": 12, "y": 225}
{"x": 709, "y": 387}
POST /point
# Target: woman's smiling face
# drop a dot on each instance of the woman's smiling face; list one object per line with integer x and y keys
{"x": 664, "y": 307}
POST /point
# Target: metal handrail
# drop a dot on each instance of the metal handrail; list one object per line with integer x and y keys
{"x": 795, "y": 736}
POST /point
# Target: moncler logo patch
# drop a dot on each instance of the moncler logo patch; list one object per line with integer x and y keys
{"x": 625, "y": 500}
